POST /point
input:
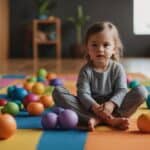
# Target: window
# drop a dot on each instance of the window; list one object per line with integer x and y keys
{"x": 141, "y": 17}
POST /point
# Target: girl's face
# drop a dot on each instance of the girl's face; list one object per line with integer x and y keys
{"x": 101, "y": 47}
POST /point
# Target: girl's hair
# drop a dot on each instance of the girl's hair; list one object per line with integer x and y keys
{"x": 99, "y": 27}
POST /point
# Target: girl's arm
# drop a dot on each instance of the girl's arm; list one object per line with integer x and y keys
{"x": 84, "y": 90}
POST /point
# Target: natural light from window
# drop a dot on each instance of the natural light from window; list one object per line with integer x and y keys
{"x": 141, "y": 17}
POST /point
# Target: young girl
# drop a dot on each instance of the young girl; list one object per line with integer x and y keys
{"x": 102, "y": 95}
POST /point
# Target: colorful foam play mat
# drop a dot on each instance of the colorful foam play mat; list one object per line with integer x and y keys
{"x": 30, "y": 134}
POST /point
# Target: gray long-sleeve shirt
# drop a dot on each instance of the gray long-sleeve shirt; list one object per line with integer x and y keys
{"x": 102, "y": 86}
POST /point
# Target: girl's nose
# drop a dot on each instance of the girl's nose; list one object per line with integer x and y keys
{"x": 101, "y": 48}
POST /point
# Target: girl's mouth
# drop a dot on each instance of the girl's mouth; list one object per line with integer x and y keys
{"x": 99, "y": 56}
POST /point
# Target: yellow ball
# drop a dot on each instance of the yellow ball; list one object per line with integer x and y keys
{"x": 143, "y": 123}
{"x": 38, "y": 88}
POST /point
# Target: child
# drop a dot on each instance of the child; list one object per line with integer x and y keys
{"x": 102, "y": 95}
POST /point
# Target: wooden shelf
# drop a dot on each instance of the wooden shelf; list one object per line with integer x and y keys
{"x": 46, "y": 41}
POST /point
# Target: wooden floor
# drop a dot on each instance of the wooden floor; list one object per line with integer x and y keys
{"x": 29, "y": 66}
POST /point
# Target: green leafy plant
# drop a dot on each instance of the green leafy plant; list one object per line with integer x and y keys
{"x": 79, "y": 21}
{"x": 45, "y": 7}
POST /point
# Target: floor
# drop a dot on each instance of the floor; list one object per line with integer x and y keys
{"x": 66, "y": 66}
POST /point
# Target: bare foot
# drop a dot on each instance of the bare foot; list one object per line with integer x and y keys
{"x": 93, "y": 122}
{"x": 118, "y": 122}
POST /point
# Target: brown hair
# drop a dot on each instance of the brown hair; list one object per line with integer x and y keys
{"x": 99, "y": 27}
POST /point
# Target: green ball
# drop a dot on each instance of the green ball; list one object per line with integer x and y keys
{"x": 49, "y": 90}
{"x": 134, "y": 84}
{"x": 1, "y": 107}
{"x": 11, "y": 108}
{"x": 32, "y": 79}
{"x": 20, "y": 104}
{"x": 42, "y": 73}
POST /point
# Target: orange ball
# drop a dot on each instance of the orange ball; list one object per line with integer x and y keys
{"x": 51, "y": 76}
{"x": 28, "y": 86}
{"x": 35, "y": 108}
{"x": 143, "y": 123}
{"x": 7, "y": 126}
{"x": 46, "y": 101}
{"x": 38, "y": 88}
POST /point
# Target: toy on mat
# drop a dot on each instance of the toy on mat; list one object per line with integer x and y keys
{"x": 32, "y": 79}
{"x": 3, "y": 102}
{"x": 56, "y": 82}
{"x": 68, "y": 119}
{"x": 47, "y": 101}
{"x": 143, "y": 123}
{"x": 35, "y": 108}
{"x": 42, "y": 73}
{"x": 11, "y": 108}
{"x": 7, "y": 126}
{"x": 133, "y": 84}
{"x": 58, "y": 110}
{"x": 51, "y": 76}
{"x": 28, "y": 86}
{"x": 49, "y": 121}
{"x": 148, "y": 101}
{"x": 38, "y": 88}
{"x": 30, "y": 98}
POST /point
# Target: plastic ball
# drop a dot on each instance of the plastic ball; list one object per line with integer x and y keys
{"x": 47, "y": 101}
{"x": 35, "y": 108}
{"x": 42, "y": 73}
{"x": 3, "y": 102}
{"x": 40, "y": 79}
{"x": 19, "y": 103}
{"x": 38, "y": 88}
{"x": 30, "y": 98}
{"x": 134, "y": 84}
{"x": 7, "y": 126}
{"x": 51, "y": 76}
{"x": 148, "y": 101}
{"x": 143, "y": 123}
{"x": 56, "y": 82}
{"x": 28, "y": 86}
{"x": 68, "y": 119}
{"x": 20, "y": 93}
{"x": 32, "y": 79}
{"x": 49, "y": 121}
{"x": 58, "y": 110}
{"x": 10, "y": 91}
{"x": 11, "y": 108}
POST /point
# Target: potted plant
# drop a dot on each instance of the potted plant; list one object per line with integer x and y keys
{"x": 45, "y": 8}
{"x": 79, "y": 21}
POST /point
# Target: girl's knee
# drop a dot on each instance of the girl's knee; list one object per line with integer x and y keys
{"x": 141, "y": 92}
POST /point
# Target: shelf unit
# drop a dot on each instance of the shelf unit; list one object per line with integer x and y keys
{"x": 57, "y": 42}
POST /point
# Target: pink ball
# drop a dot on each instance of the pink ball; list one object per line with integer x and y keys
{"x": 68, "y": 119}
{"x": 30, "y": 98}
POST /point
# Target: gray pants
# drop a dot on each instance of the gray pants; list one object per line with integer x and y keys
{"x": 132, "y": 100}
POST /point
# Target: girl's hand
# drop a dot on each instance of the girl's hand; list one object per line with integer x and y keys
{"x": 109, "y": 107}
{"x": 97, "y": 108}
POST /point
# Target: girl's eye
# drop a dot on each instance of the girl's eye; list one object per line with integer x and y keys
{"x": 106, "y": 44}
{"x": 94, "y": 45}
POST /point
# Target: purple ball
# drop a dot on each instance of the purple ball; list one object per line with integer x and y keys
{"x": 49, "y": 121}
{"x": 58, "y": 110}
{"x": 56, "y": 82}
{"x": 68, "y": 119}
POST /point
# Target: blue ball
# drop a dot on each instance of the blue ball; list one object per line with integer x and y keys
{"x": 56, "y": 82}
{"x": 20, "y": 93}
{"x": 134, "y": 84}
{"x": 148, "y": 101}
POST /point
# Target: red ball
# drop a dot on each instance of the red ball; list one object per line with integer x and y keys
{"x": 30, "y": 98}
{"x": 3, "y": 102}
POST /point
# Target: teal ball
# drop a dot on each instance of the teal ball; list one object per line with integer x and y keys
{"x": 148, "y": 102}
{"x": 134, "y": 84}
